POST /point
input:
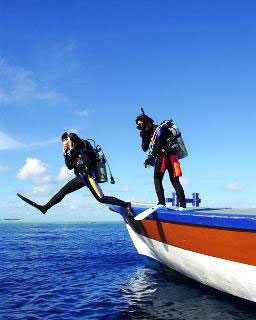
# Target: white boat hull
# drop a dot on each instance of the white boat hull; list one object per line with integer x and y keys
{"x": 232, "y": 277}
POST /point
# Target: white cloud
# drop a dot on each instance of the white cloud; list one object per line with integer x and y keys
{"x": 3, "y": 168}
{"x": 18, "y": 85}
{"x": 42, "y": 189}
{"x": 42, "y": 180}
{"x": 33, "y": 169}
{"x": 73, "y": 207}
{"x": 42, "y": 143}
{"x": 12, "y": 202}
{"x": 64, "y": 174}
{"x": 82, "y": 113}
{"x": 234, "y": 186}
{"x": 80, "y": 203}
{"x": 10, "y": 143}
{"x": 185, "y": 181}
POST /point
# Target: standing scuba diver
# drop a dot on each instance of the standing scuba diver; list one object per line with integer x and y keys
{"x": 164, "y": 154}
{"x": 80, "y": 156}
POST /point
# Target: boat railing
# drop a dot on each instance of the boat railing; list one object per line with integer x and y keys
{"x": 195, "y": 200}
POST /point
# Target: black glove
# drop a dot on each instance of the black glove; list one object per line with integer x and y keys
{"x": 145, "y": 134}
{"x": 148, "y": 161}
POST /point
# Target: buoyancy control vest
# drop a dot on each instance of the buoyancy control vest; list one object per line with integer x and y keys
{"x": 175, "y": 143}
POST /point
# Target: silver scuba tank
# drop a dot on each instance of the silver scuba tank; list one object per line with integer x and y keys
{"x": 101, "y": 170}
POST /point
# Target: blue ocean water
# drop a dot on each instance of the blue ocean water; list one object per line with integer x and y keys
{"x": 92, "y": 271}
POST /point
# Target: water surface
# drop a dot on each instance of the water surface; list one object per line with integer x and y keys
{"x": 92, "y": 271}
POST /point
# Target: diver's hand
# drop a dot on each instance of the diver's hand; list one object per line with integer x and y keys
{"x": 65, "y": 148}
{"x": 148, "y": 161}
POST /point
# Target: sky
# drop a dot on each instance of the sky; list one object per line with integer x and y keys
{"x": 88, "y": 66}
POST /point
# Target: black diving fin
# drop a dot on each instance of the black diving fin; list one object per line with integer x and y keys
{"x": 33, "y": 204}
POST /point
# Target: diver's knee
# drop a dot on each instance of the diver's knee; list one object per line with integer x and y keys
{"x": 62, "y": 192}
{"x": 157, "y": 176}
{"x": 175, "y": 180}
{"x": 102, "y": 200}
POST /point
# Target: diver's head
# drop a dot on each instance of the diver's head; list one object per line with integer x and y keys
{"x": 67, "y": 143}
{"x": 64, "y": 137}
{"x": 143, "y": 121}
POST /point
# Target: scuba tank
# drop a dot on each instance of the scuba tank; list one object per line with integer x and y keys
{"x": 175, "y": 142}
{"x": 100, "y": 165}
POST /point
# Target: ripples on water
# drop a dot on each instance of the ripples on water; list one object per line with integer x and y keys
{"x": 92, "y": 271}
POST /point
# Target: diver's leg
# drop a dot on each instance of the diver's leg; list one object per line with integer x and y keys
{"x": 71, "y": 186}
{"x": 176, "y": 185}
{"x": 99, "y": 195}
{"x": 158, "y": 180}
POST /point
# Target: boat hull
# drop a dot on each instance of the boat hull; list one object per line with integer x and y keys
{"x": 220, "y": 254}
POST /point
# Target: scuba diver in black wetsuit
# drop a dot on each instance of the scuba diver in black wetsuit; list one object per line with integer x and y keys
{"x": 162, "y": 156}
{"x": 80, "y": 156}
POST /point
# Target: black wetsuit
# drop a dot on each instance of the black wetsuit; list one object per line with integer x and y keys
{"x": 81, "y": 158}
{"x": 161, "y": 154}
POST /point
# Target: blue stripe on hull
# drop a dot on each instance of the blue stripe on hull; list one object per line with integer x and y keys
{"x": 203, "y": 218}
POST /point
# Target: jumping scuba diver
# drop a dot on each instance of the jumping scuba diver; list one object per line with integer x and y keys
{"x": 80, "y": 156}
{"x": 165, "y": 152}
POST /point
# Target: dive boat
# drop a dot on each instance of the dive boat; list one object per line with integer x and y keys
{"x": 216, "y": 247}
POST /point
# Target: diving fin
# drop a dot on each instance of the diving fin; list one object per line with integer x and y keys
{"x": 33, "y": 204}
{"x": 144, "y": 214}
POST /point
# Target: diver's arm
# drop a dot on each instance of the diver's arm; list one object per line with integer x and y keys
{"x": 68, "y": 162}
{"x": 145, "y": 140}
{"x": 159, "y": 143}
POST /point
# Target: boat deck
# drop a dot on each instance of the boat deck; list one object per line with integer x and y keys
{"x": 224, "y": 210}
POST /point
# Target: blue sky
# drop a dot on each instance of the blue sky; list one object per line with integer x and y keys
{"x": 88, "y": 66}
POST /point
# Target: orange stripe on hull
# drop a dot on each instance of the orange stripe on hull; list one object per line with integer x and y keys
{"x": 228, "y": 244}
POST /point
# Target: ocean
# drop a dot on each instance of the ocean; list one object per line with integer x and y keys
{"x": 92, "y": 271}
